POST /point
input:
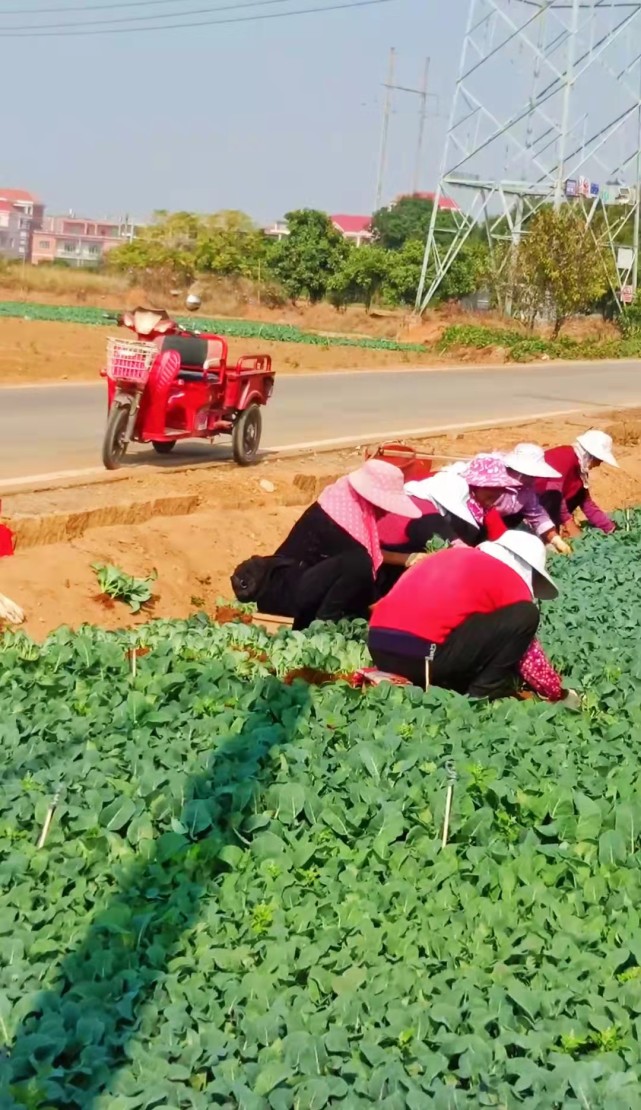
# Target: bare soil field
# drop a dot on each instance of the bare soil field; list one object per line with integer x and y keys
{"x": 33, "y": 351}
{"x": 195, "y": 527}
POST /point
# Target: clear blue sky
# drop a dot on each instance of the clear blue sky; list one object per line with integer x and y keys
{"x": 262, "y": 116}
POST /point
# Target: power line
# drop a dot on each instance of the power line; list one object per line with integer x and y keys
{"x": 96, "y": 7}
{"x": 118, "y": 20}
{"x": 35, "y": 33}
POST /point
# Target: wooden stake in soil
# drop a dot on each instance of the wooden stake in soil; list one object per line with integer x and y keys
{"x": 451, "y": 775}
{"x": 48, "y": 819}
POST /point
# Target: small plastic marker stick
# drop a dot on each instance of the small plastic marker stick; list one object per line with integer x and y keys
{"x": 427, "y": 673}
{"x": 450, "y": 771}
{"x": 48, "y": 819}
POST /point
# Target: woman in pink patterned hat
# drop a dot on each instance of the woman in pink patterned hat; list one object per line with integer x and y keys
{"x": 517, "y": 502}
{"x": 489, "y": 480}
{"x": 326, "y": 567}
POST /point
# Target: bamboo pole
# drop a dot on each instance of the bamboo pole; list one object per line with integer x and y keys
{"x": 450, "y": 771}
{"x": 48, "y": 819}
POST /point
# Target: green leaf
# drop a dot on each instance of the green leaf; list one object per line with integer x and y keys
{"x": 372, "y": 758}
{"x": 612, "y": 848}
{"x": 349, "y": 981}
{"x": 272, "y": 1075}
{"x": 118, "y": 814}
{"x": 5, "y": 1019}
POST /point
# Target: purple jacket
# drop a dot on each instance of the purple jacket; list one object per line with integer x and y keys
{"x": 524, "y": 502}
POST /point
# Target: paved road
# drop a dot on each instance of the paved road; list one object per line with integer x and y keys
{"x": 53, "y": 428}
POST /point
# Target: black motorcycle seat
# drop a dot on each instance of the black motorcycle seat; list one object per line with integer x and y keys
{"x": 192, "y": 349}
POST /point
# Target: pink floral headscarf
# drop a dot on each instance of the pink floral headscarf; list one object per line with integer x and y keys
{"x": 489, "y": 472}
{"x": 356, "y": 515}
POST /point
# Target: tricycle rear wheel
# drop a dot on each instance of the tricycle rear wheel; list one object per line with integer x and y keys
{"x": 163, "y": 446}
{"x": 114, "y": 446}
{"x": 245, "y": 437}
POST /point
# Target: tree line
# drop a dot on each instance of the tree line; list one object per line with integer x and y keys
{"x": 314, "y": 262}
{"x": 559, "y": 267}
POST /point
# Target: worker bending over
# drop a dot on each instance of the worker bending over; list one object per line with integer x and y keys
{"x": 571, "y": 490}
{"x": 470, "y": 613}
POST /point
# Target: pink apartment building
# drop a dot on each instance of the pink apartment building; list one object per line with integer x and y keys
{"x": 78, "y": 241}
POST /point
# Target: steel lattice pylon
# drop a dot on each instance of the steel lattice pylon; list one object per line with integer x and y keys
{"x": 548, "y": 99}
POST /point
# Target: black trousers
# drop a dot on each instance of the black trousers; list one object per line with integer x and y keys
{"x": 335, "y": 589}
{"x": 479, "y": 658}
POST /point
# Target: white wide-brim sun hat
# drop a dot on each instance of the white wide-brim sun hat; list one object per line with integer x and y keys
{"x": 381, "y": 483}
{"x": 529, "y": 458}
{"x": 599, "y": 445}
{"x": 447, "y": 490}
{"x": 531, "y": 550}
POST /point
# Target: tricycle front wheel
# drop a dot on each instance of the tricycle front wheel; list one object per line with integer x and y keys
{"x": 163, "y": 446}
{"x": 114, "y": 445}
{"x": 245, "y": 437}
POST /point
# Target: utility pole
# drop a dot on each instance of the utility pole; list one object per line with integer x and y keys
{"x": 387, "y": 108}
{"x": 422, "y": 116}
{"x": 391, "y": 87}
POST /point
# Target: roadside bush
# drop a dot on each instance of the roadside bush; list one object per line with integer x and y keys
{"x": 629, "y": 320}
{"x": 521, "y": 347}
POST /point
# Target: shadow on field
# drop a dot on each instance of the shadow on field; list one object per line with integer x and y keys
{"x": 68, "y": 1051}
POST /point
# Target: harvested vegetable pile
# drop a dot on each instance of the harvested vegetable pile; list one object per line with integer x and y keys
{"x": 243, "y": 900}
{"x": 238, "y": 329}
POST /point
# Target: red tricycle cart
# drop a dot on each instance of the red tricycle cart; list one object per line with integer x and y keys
{"x": 170, "y": 383}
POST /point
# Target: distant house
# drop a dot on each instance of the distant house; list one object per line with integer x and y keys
{"x": 445, "y": 204}
{"x": 358, "y": 229}
{"x": 78, "y": 241}
{"x": 278, "y": 230}
{"x": 21, "y": 214}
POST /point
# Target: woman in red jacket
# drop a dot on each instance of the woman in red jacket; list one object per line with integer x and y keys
{"x": 561, "y": 496}
{"x": 469, "y": 614}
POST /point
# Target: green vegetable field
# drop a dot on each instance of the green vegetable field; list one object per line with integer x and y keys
{"x": 236, "y": 329}
{"x": 243, "y": 900}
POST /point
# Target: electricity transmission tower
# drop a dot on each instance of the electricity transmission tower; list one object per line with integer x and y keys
{"x": 546, "y": 109}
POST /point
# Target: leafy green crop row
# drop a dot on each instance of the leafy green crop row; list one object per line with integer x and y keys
{"x": 524, "y": 348}
{"x": 519, "y": 347}
{"x": 237, "y": 329}
{"x": 243, "y": 901}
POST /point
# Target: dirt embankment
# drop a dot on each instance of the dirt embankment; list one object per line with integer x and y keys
{"x": 194, "y": 527}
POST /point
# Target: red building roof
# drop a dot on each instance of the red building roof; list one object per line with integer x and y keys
{"x": 445, "y": 204}
{"x": 14, "y": 195}
{"x": 352, "y": 225}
